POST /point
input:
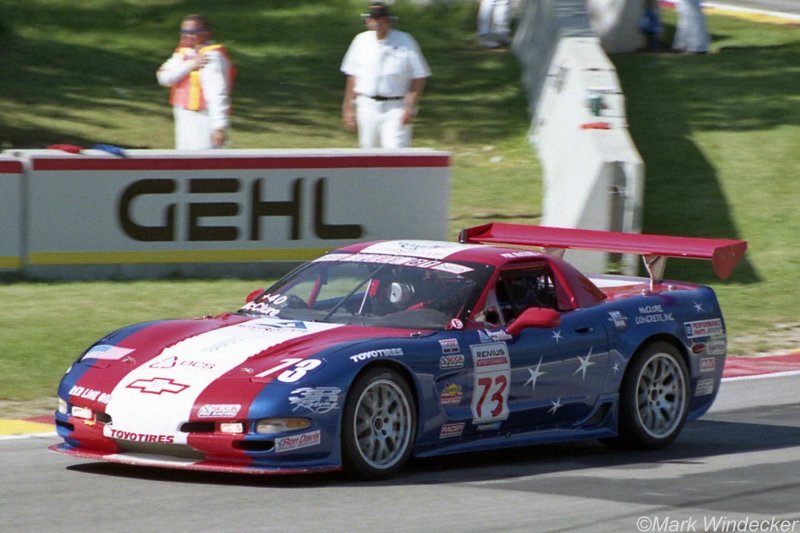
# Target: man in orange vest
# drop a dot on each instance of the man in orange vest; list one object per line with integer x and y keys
{"x": 200, "y": 75}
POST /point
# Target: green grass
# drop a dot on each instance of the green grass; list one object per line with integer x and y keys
{"x": 719, "y": 135}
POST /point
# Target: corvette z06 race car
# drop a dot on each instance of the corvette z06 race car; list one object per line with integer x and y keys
{"x": 383, "y": 351}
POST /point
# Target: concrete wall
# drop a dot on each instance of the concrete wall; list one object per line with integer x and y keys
{"x": 593, "y": 174}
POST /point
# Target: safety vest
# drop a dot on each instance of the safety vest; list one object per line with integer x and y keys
{"x": 188, "y": 93}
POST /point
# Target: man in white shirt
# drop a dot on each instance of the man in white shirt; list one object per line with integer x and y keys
{"x": 386, "y": 74}
{"x": 200, "y": 76}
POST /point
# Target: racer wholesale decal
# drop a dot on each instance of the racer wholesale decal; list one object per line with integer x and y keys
{"x": 157, "y": 398}
{"x": 456, "y": 429}
{"x": 492, "y": 380}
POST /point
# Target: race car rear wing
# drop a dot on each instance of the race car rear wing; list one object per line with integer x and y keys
{"x": 654, "y": 249}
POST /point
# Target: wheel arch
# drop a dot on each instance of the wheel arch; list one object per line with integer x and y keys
{"x": 669, "y": 339}
{"x": 397, "y": 367}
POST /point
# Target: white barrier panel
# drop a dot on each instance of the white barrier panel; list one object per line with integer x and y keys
{"x": 11, "y": 207}
{"x": 225, "y": 211}
{"x": 616, "y": 23}
{"x": 593, "y": 174}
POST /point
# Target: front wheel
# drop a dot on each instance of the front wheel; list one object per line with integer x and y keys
{"x": 379, "y": 425}
{"x": 654, "y": 397}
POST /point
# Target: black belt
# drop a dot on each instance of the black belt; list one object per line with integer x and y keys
{"x": 383, "y": 98}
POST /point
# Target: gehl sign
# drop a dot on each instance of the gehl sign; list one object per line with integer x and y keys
{"x": 251, "y": 205}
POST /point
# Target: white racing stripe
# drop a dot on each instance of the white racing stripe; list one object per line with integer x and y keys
{"x": 150, "y": 403}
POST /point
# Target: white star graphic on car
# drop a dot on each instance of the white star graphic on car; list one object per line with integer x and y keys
{"x": 534, "y": 375}
{"x": 584, "y": 364}
{"x": 616, "y": 368}
{"x": 556, "y": 405}
{"x": 698, "y": 307}
{"x": 557, "y": 335}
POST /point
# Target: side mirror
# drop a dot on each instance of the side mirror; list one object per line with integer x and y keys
{"x": 253, "y": 295}
{"x": 535, "y": 317}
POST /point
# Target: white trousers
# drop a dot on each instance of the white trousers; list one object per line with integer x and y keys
{"x": 380, "y": 123}
{"x": 493, "y": 19}
{"x": 691, "y": 33}
{"x": 192, "y": 129}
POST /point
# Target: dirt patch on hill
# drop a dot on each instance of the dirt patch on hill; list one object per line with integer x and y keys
{"x": 28, "y": 408}
{"x": 780, "y": 340}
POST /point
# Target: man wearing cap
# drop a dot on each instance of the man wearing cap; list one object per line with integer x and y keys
{"x": 200, "y": 76}
{"x": 386, "y": 74}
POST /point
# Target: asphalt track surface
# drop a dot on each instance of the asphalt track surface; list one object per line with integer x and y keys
{"x": 738, "y": 467}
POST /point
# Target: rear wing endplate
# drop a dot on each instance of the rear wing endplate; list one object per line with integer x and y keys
{"x": 654, "y": 249}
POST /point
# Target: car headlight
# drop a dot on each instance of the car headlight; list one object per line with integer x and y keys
{"x": 62, "y": 406}
{"x": 82, "y": 412}
{"x": 267, "y": 426}
{"x": 231, "y": 427}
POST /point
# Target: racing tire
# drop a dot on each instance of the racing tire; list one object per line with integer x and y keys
{"x": 653, "y": 399}
{"x": 379, "y": 425}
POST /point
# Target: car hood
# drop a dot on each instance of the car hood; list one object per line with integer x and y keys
{"x": 178, "y": 370}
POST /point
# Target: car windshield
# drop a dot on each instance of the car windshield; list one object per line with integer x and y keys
{"x": 376, "y": 290}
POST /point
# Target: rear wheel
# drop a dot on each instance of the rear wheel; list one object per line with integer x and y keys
{"x": 379, "y": 425}
{"x": 654, "y": 397}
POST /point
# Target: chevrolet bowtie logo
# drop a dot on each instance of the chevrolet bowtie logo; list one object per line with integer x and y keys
{"x": 158, "y": 385}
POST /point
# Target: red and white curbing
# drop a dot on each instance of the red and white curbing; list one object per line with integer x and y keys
{"x": 758, "y": 367}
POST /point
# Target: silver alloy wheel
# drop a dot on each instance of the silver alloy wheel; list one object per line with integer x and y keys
{"x": 383, "y": 424}
{"x": 660, "y": 395}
